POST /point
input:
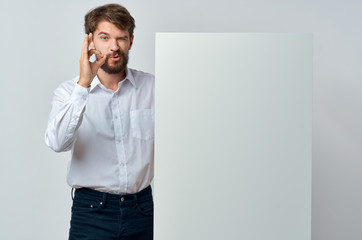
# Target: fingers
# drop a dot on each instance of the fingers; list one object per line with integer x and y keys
{"x": 87, "y": 53}
{"x": 96, "y": 52}
{"x": 101, "y": 60}
{"x": 85, "y": 45}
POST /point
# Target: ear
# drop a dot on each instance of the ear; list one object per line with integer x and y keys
{"x": 131, "y": 43}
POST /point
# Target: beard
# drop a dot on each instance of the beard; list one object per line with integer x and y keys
{"x": 116, "y": 67}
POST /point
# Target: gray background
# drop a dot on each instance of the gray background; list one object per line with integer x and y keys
{"x": 40, "y": 46}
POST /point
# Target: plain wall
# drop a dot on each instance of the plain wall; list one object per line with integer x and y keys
{"x": 40, "y": 45}
{"x": 233, "y": 146}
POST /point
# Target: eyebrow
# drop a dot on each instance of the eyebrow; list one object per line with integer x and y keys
{"x": 122, "y": 37}
{"x": 103, "y": 33}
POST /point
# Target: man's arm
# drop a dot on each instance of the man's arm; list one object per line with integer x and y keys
{"x": 66, "y": 116}
{"x": 69, "y": 102}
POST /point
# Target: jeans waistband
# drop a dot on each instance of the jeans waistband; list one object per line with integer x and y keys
{"x": 122, "y": 197}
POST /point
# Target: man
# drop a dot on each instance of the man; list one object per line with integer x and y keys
{"x": 105, "y": 116}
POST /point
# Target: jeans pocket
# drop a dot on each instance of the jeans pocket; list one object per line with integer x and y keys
{"x": 86, "y": 205}
{"x": 145, "y": 208}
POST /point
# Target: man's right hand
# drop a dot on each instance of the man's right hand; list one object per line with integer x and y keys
{"x": 88, "y": 70}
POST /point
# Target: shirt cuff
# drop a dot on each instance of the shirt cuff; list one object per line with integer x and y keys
{"x": 80, "y": 94}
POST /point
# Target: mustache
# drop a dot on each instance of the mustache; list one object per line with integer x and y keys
{"x": 118, "y": 53}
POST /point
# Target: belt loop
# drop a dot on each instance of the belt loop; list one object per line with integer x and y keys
{"x": 104, "y": 198}
{"x": 72, "y": 193}
{"x": 135, "y": 197}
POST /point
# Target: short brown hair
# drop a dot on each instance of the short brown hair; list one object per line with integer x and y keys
{"x": 113, "y": 13}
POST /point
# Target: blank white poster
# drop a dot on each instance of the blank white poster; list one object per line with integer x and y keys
{"x": 233, "y": 143}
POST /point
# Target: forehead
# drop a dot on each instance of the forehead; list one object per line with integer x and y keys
{"x": 110, "y": 28}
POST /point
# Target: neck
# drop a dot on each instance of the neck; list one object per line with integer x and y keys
{"x": 110, "y": 81}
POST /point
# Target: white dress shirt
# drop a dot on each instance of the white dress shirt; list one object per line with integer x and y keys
{"x": 110, "y": 134}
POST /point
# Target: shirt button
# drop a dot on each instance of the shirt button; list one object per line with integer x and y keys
{"x": 122, "y": 164}
{"x": 122, "y": 199}
{"x": 115, "y": 117}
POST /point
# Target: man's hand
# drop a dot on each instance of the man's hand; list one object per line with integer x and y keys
{"x": 88, "y": 70}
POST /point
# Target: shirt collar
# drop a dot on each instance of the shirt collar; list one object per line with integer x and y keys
{"x": 94, "y": 83}
{"x": 129, "y": 76}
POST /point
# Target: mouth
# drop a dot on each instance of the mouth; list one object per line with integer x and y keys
{"x": 115, "y": 58}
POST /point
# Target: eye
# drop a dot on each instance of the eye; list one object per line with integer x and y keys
{"x": 123, "y": 38}
{"x": 104, "y": 38}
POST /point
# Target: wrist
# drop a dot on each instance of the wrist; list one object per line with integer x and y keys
{"x": 84, "y": 83}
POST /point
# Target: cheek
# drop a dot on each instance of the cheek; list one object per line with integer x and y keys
{"x": 100, "y": 47}
{"x": 125, "y": 48}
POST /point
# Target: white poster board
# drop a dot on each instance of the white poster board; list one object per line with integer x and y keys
{"x": 233, "y": 144}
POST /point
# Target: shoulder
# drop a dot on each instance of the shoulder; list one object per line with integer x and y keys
{"x": 140, "y": 74}
{"x": 142, "y": 77}
{"x": 66, "y": 87}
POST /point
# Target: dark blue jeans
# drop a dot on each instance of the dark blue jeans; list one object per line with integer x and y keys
{"x": 105, "y": 216}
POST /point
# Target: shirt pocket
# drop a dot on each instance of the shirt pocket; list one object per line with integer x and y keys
{"x": 142, "y": 123}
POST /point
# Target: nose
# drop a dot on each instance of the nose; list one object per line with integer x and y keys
{"x": 114, "y": 46}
